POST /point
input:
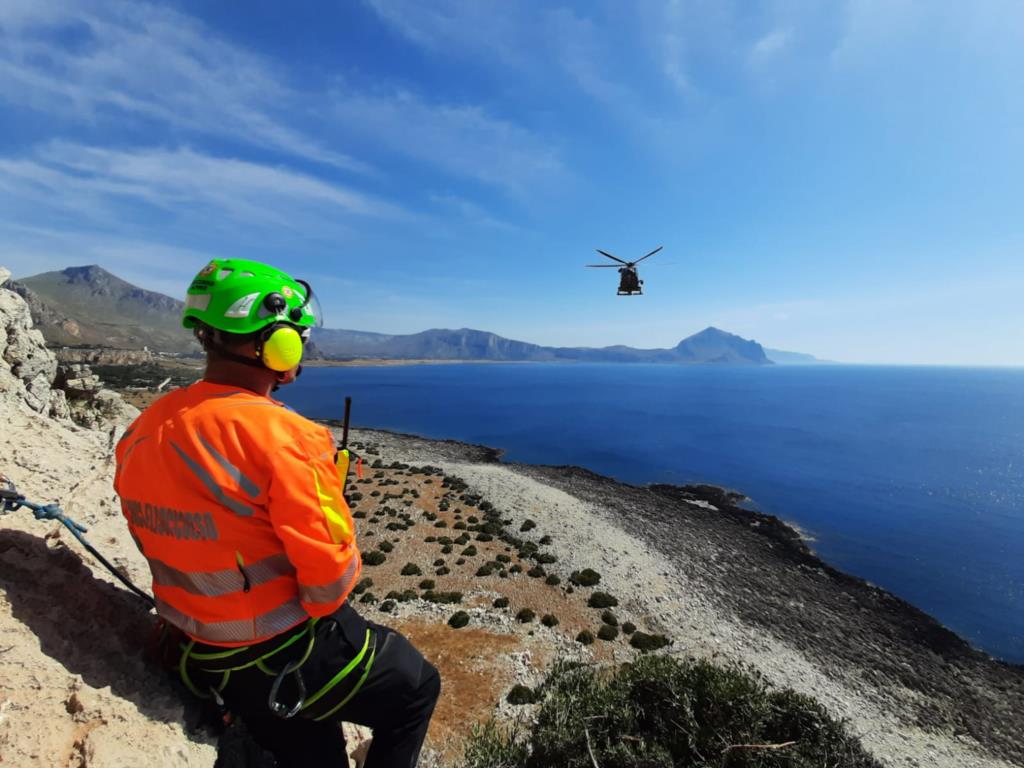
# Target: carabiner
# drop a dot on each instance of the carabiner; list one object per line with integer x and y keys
{"x": 279, "y": 709}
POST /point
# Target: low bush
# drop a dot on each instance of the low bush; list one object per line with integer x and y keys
{"x": 362, "y": 586}
{"x": 368, "y": 598}
{"x": 501, "y": 602}
{"x": 458, "y": 620}
{"x": 608, "y": 632}
{"x": 427, "y": 584}
{"x": 588, "y": 577}
{"x": 528, "y": 525}
{"x": 602, "y": 600}
{"x": 469, "y": 551}
{"x": 411, "y": 569}
{"x": 545, "y": 558}
{"x": 661, "y": 711}
{"x": 552, "y": 580}
{"x": 586, "y": 637}
{"x": 520, "y": 695}
{"x": 549, "y": 620}
{"x": 628, "y": 628}
{"x": 387, "y": 606}
{"x": 646, "y": 643}
{"x": 609, "y": 618}
{"x": 374, "y": 558}
{"x": 444, "y": 570}
{"x": 536, "y": 572}
{"x": 525, "y": 616}
{"x": 385, "y": 546}
{"x": 443, "y": 598}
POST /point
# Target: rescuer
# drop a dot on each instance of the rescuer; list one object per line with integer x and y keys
{"x": 237, "y": 504}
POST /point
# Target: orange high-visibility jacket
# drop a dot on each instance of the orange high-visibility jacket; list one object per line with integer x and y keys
{"x": 236, "y": 504}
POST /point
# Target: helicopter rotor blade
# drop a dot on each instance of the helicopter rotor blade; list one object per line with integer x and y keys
{"x": 604, "y": 266}
{"x": 616, "y": 258}
{"x": 649, "y": 254}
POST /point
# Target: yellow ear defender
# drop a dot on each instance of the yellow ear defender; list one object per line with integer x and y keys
{"x": 281, "y": 348}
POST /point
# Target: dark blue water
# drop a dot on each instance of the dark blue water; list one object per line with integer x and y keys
{"x": 912, "y": 478}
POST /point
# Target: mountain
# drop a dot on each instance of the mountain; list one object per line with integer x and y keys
{"x": 781, "y": 357}
{"x": 90, "y": 306}
{"x": 709, "y": 346}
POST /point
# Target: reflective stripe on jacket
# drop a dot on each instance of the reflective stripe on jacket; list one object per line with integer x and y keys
{"x": 235, "y": 502}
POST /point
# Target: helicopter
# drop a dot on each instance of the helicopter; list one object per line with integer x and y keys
{"x": 630, "y": 283}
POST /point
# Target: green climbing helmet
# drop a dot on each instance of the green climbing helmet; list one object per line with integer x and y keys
{"x": 242, "y": 296}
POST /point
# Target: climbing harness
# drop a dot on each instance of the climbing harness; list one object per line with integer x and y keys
{"x": 231, "y": 660}
{"x": 11, "y": 500}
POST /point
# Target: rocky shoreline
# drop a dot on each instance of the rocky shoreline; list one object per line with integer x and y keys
{"x": 728, "y": 582}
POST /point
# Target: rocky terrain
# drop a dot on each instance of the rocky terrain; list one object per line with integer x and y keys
{"x": 494, "y": 570}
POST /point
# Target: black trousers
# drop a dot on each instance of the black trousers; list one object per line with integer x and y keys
{"x": 396, "y": 700}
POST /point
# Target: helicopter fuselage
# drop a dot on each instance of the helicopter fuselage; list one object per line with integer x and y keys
{"x": 630, "y": 283}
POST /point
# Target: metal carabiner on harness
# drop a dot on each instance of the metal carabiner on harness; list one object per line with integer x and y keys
{"x": 279, "y": 709}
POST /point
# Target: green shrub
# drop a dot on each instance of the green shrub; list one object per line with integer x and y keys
{"x": 385, "y": 546}
{"x": 501, "y": 602}
{"x": 439, "y": 562}
{"x": 443, "y": 598}
{"x": 485, "y": 570}
{"x": 374, "y": 558}
{"x": 608, "y": 632}
{"x": 525, "y": 616}
{"x": 515, "y": 568}
{"x": 629, "y": 628}
{"x": 609, "y": 618}
{"x": 401, "y": 597}
{"x": 362, "y": 586}
{"x": 520, "y": 695}
{"x": 368, "y": 598}
{"x": 446, "y": 549}
{"x": 536, "y": 572}
{"x": 427, "y": 584}
{"x": 646, "y": 643}
{"x": 586, "y": 637}
{"x": 458, "y": 620}
{"x": 602, "y": 600}
{"x": 411, "y": 569}
{"x": 503, "y": 559}
{"x": 469, "y": 551}
{"x": 588, "y": 577}
{"x": 484, "y": 537}
{"x": 387, "y": 606}
{"x": 545, "y": 540}
{"x": 552, "y": 580}
{"x": 545, "y": 558}
{"x": 442, "y": 571}
{"x": 549, "y": 620}
{"x": 661, "y": 711}
{"x": 528, "y": 525}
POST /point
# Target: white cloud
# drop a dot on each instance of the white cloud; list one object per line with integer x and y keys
{"x": 80, "y": 186}
{"x": 772, "y": 44}
{"x": 118, "y": 59}
{"x": 461, "y": 140}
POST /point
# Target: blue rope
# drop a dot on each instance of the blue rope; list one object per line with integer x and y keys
{"x": 13, "y": 501}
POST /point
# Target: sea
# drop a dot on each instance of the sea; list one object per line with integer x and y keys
{"x": 909, "y": 477}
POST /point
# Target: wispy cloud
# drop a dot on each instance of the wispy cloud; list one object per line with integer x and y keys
{"x": 87, "y": 179}
{"x": 91, "y": 62}
{"x": 462, "y": 140}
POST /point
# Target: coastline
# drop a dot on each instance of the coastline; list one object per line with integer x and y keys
{"x": 734, "y": 584}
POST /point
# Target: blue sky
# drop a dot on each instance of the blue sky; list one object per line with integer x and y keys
{"x": 843, "y": 178}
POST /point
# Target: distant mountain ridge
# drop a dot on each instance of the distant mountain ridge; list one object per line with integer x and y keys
{"x": 709, "y": 346}
{"x": 90, "y": 306}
